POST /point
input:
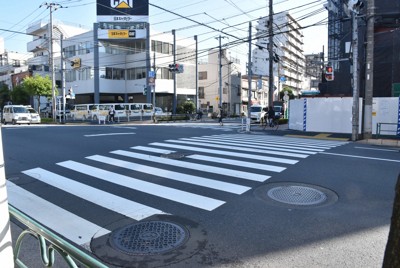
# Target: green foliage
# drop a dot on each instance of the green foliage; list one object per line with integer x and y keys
{"x": 289, "y": 91}
{"x": 19, "y": 95}
{"x": 5, "y": 95}
{"x": 187, "y": 107}
{"x": 38, "y": 86}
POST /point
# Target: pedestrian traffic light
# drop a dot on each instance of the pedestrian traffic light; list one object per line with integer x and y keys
{"x": 145, "y": 91}
{"x": 329, "y": 74}
{"x": 76, "y": 63}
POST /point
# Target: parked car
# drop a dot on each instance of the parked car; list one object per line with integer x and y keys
{"x": 35, "y": 117}
{"x": 16, "y": 114}
{"x": 158, "y": 111}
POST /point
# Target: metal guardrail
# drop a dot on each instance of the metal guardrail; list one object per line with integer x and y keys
{"x": 379, "y": 128}
{"x": 49, "y": 242}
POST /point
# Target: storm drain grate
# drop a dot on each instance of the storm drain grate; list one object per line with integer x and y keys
{"x": 150, "y": 237}
{"x": 297, "y": 195}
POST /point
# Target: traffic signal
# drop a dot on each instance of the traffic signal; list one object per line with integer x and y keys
{"x": 76, "y": 63}
{"x": 145, "y": 91}
{"x": 175, "y": 68}
{"x": 329, "y": 74}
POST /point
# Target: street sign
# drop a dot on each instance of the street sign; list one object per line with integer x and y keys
{"x": 152, "y": 74}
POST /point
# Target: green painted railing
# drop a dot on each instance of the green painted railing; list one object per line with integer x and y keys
{"x": 49, "y": 242}
{"x": 379, "y": 128}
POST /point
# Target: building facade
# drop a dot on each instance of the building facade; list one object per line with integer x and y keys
{"x": 231, "y": 89}
{"x": 289, "y": 60}
{"x": 386, "y": 49}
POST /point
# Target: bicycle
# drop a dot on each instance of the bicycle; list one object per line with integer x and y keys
{"x": 273, "y": 124}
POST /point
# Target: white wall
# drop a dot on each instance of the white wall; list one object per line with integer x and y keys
{"x": 335, "y": 115}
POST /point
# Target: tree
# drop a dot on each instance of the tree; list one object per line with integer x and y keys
{"x": 289, "y": 91}
{"x": 5, "y": 95}
{"x": 187, "y": 107}
{"x": 20, "y": 95}
{"x": 38, "y": 86}
{"x": 392, "y": 252}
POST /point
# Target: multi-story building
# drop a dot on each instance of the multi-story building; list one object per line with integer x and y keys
{"x": 123, "y": 64}
{"x": 313, "y": 71}
{"x": 288, "y": 58}
{"x": 386, "y": 48}
{"x": 12, "y": 63}
{"x": 230, "y": 84}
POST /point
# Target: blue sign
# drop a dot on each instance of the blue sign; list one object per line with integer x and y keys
{"x": 283, "y": 79}
{"x": 152, "y": 74}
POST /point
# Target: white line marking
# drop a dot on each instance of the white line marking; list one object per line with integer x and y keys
{"x": 260, "y": 146}
{"x": 110, "y": 201}
{"x": 69, "y": 225}
{"x": 179, "y": 196}
{"x": 236, "y": 163}
{"x": 363, "y": 157}
{"x": 153, "y": 150}
{"x": 110, "y": 134}
{"x": 172, "y": 175}
{"x": 248, "y": 156}
{"x": 376, "y": 149}
{"x": 195, "y": 166}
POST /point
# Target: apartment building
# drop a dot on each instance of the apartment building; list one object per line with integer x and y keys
{"x": 288, "y": 59}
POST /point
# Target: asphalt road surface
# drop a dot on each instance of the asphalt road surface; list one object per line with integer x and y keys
{"x": 196, "y": 195}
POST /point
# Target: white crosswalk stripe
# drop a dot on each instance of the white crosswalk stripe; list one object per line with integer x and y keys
{"x": 211, "y": 169}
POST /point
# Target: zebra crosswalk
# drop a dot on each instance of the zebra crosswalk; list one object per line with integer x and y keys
{"x": 208, "y": 171}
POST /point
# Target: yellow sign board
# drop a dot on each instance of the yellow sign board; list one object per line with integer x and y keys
{"x": 121, "y": 34}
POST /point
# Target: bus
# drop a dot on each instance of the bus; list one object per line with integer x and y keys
{"x": 122, "y": 110}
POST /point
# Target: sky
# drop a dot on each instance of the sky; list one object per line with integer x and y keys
{"x": 207, "y": 18}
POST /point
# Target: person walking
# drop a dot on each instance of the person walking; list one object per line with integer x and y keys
{"x": 220, "y": 115}
{"x": 111, "y": 114}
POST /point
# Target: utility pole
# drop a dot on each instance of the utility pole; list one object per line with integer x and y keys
{"x": 63, "y": 79}
{"x": 174, "y": 75}
{"x": 220, "y": 73}
{"x": 197, "y": 74}
{"x": 356, "y": 92}
{"x": 271, "y": 55}
{"x": 369, "y": 70}
{"x": 52, "y": 6}
{"x": 249, "y": 78}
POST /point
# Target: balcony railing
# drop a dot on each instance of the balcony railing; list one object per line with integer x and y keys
{"x": 51, "y": 241}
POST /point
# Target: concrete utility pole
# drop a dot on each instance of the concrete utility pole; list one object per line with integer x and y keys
{"x": 174, "y": 74}
{"x": 52, "y": 7}
{"x": 249, "y": 79}
{"x": 197, "y": 74}
{"x": 271, "y": 55}
{"x": 356, "y": 92}
{"x": 220, "y": 71}
{"x": 369, "y": 70}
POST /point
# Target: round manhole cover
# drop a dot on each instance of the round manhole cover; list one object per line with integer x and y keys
{"x": 297, "y": 195}
{"x": 150, "y": 237}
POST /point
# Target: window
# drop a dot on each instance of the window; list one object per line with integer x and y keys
{"x": 201, "y": 93}
{"x": 69, "y": 51}
{"x": 202, "y": 75}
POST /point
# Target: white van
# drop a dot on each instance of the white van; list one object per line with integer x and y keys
{"x": 16, "y": 114}
{"x": 257, "y": 112}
